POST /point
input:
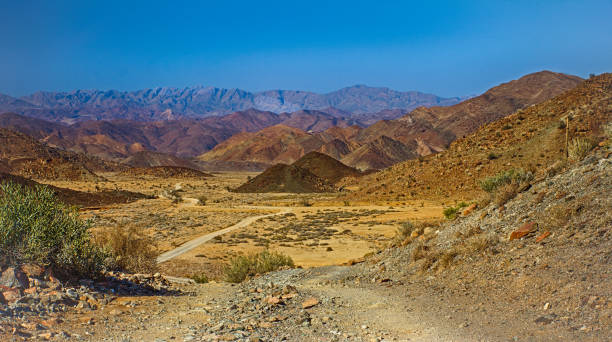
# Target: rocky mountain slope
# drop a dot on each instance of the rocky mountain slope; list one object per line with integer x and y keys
{"x": 198, "y": 102}
{"x": 532, "y": 139}
{"x": 27, "y": 157}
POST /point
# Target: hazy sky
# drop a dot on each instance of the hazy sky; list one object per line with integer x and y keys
{"x": 446, "y": 47}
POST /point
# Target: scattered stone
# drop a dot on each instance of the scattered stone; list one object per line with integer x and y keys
{"x": 522, "y": 231}
{"x": 14, "y": 278}
{"x": 542, "y": 237}
{"x": 469, "y": 209}
{"x": 310, "y": 302}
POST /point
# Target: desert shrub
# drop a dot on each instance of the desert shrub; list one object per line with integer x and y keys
{"x": 505, "y": 193}
{"x": 305, "y": 202}
{"x": 129, "y": 249}
{"x": 35, "y": 227}
{"x": 403, "y": 232}
{"x": 451, "y": 212}
{"x": 201, "y": 278}
{"x": 579, "y": 148}
{"x": 242, "y": 267}
{"x": 490, "y": 184}
{"x": 607, "y": 129}
{"x": 202, "y": 200}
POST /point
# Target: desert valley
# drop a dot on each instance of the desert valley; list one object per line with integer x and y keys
{"x": 475, "y": 205}
{"x": 325, "y": 171}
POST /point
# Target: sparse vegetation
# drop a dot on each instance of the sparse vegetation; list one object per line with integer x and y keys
{"x": 35, "y": 227}
{"x": 202, "y": 200}
{"x": 201, "y": 278}
{"x": 129, "y": 249}
{"x": 518, "y": 176}
{"x": 242, "y": 267}
{"x": 451, "y": 212}
{"x": 579, "y": 148}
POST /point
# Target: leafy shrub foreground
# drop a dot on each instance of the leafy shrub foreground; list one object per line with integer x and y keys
{"x": 35, "y": 227}
{"x": 242, "y": 267}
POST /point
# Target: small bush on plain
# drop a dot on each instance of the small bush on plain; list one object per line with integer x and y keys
{"x": 242, "y": 267}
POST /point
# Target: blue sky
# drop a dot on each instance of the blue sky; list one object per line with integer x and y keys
{"x": 449, "y": 48}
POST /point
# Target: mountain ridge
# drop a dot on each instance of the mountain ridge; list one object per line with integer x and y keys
{"x": 197, "y": 102}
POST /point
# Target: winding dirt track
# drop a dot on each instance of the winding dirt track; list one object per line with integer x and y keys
{"x": 187, "y": 246}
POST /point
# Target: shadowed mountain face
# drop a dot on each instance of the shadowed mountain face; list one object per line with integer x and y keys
{"x": 422, "y": 132}
{"x": 198, "y": 102}
{"x": 314, "y": 172}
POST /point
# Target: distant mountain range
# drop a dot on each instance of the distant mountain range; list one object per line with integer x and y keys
{"x": 422, "y": 132}
{"x": 254, "y": 139}
{"x": 198, "y": 102}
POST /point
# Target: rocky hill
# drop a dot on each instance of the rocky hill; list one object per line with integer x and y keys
{"x": 314, "y": 172}
{"x": 198, "y": 102}
{"x": 532, "y": 139}
{"x": 286, "y": 178}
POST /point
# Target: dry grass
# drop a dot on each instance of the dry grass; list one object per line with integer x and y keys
{"x": 505, "y": 193}
{"x": 130, "y": 248}
{"x": 579, "y": 148}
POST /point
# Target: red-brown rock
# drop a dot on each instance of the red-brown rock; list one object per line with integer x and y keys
{"x": 522, "y": 231}
{"x": 542, "y": 236}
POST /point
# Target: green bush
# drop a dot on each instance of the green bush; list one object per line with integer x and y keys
{"x": 517, "y": 176}
{"x": 35, "y": 227}
{"x": 242, "y": 267}
{"x": 451, "y": 212}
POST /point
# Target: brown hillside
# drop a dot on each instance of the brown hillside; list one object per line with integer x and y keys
{"x": 166, "y": 172}
{"x": 276, "y": 144}
{"x": 379, "y": 154}
{"x": 79, "y": 198}
{"x": 326, "y": 167}
{"x": 530, "y": 139}
{"x": 434, "y": 128}
{"x": 314, "y": 172}
{"x": 27, "y": 157}
{"x": 145, "y": 159}
{"x": 497, "y": 102}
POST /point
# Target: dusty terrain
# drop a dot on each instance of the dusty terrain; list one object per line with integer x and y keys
{"x": 463, "y": 280}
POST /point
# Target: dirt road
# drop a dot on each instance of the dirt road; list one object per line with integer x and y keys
{"x": 186, "y": 247}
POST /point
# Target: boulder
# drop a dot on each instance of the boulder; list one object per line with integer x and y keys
{"x": 14, "y": 278}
